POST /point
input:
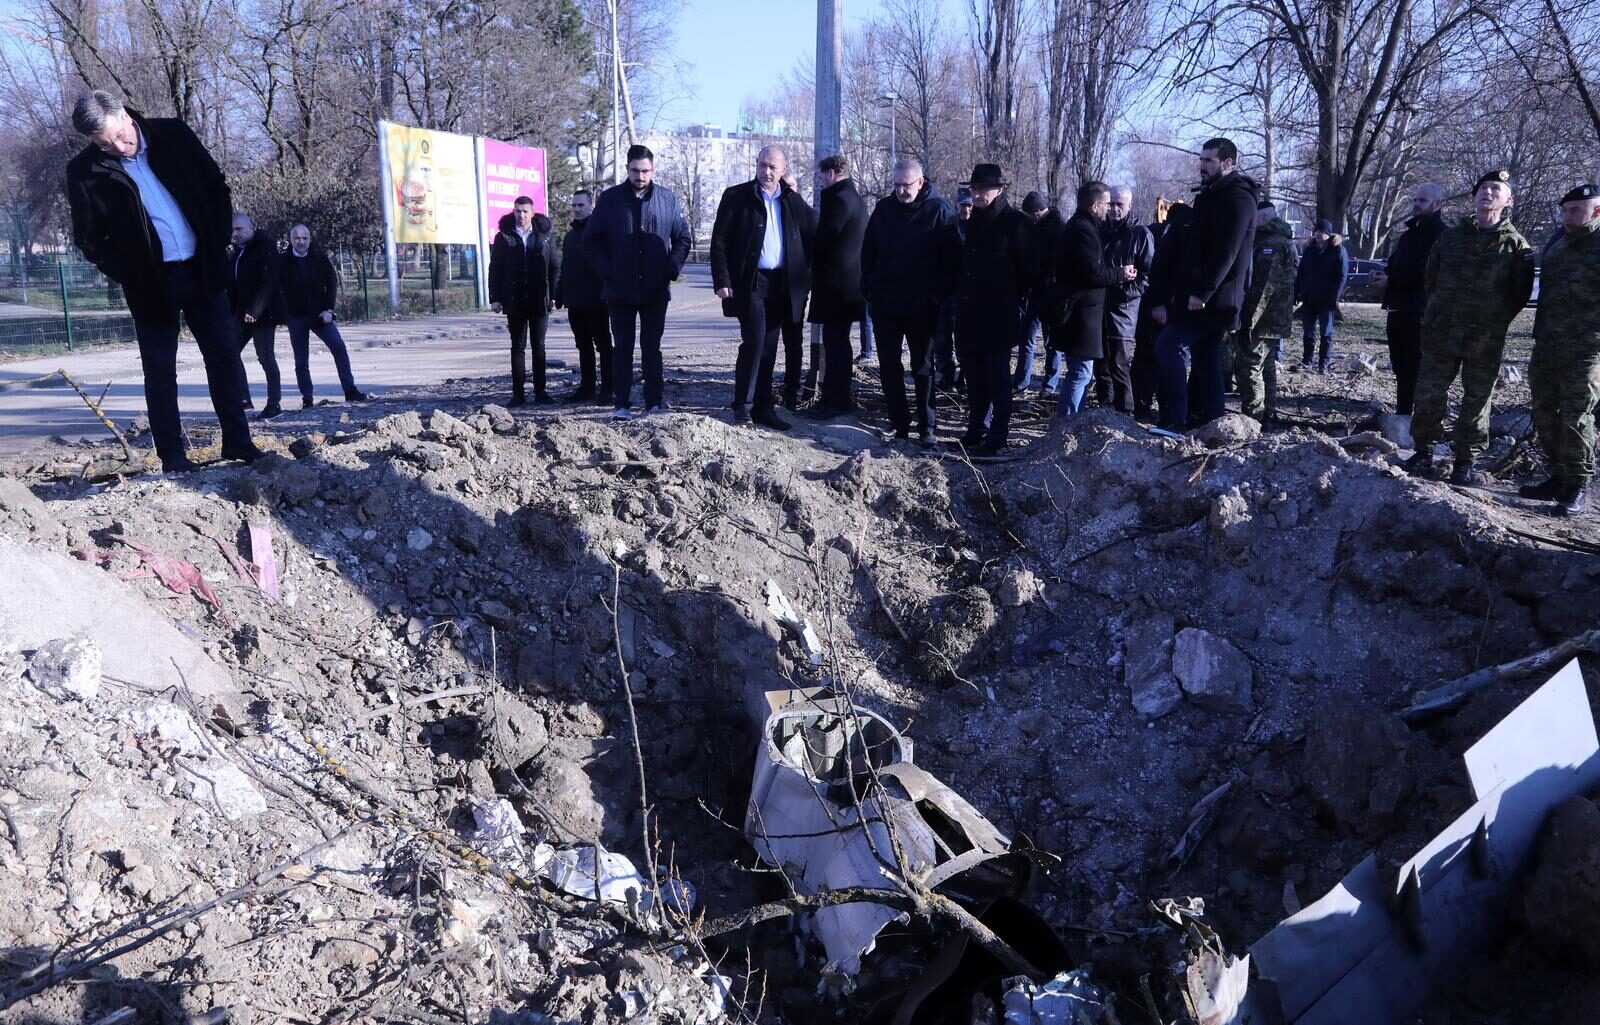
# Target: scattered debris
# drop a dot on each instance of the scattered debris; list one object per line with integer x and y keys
{"x": 784, "y": 613}
{"x": 67, "y": 669}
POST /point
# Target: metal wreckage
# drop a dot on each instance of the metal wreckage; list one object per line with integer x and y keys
{"x": 837, "y": 805}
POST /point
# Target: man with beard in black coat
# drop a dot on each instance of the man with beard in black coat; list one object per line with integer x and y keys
{"x": 1143, "y": 369}
{"x": 902, "y": 280}
{"x": 151, "y": 210}
{"x": 836, "y": 300}
{"x": 1211, "y": 276}
{"x": 994, "y": 273}
{"x": 1082, "y": 276}
{"x": 761, "y": 270}
{"x": 578, "y": 289}
{"x": 524, "y": 268}
{"x": 253, "y": 299}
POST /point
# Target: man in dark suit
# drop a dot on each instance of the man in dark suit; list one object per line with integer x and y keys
{"x": 761, "y": 268}
{"x": 253, "y": 299}
{"x": 151, "y": 210}
{"x": 836, "y": 301}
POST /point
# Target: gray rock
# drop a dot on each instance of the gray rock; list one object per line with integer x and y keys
{"x": 1018, "y": 587}
{"x": 399, "y": 425}
{"x": 500, "y": 419}
{"x": 1228, "y": 429}
{"x": 565, "y": 794}
{"x": 1230, "y": 521}
{"x": 23, "y": 509}
{"x": 497, "y": 614}
{"x": 1147, "y": 666}
{"x": 447, "y": 426}
{"x": 418, "y": 539}
{"x": 1211, "y": 671}
{"x": 68, "y": 669}
{"x": 515, "y": 733}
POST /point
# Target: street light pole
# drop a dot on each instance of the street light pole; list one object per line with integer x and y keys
{"x": 889, "y": 99}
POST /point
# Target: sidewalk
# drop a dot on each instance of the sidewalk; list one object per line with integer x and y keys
{"x": 384, "y": 355}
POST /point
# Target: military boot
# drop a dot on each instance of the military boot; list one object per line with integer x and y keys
{"x": 1543, "y": 491}
{"x": 1572, "y": 498}
{"x": 1466, "y": 475}
{"x": 1421, "y": 463}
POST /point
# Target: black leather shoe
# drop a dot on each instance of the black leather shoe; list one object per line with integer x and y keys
{"x": 971, "y": 439}
{"x": 581, "y": 395}
{"x": 1420, "y": 464}
{"x": 1543, "y": 491}
{"x": 244, "y": 454}
{"x": 271, "y": 411}
{"x": 741, "y": 415}
{"x": 769, "y": 418}
{"x": 822, "y": 412}
{"x": 182, "y": 464}
{"x": 990, "y": 448}
{"x": 1571, "y": 500}
{"x": 307, "y": 403}
{"x": 544, "y": 399}
{"x": 356, "y": 396}
{"x": 516, "y": 400}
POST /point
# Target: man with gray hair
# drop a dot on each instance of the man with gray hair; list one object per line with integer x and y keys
{"x": 151, "y": 210}
{"x": 1127, "y": 243}
{"x": 1404, "y": 295}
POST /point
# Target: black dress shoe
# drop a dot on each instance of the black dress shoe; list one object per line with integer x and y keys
{"x": 356, "y": 396}
{"x": 182, "y": 464}
{"x": 741, "y": 415}
{"x": 581, "y": 395}
{"x": 971, "y": 439}
{"x": 990, "y": 448}
{"x": 307, "y": 403}
{"x": 516, "y": 400}
{"x": 272, "y": 410}
{"x": 244, "y": 454}
{"x": 824, "y": 412}
{"x": 769, "y": 418}
{"x": 544, "y": 399}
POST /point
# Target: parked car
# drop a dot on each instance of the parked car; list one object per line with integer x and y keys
{"x": 1360, "y": 289}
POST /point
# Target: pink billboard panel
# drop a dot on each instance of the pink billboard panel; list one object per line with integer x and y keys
{"x": 508, "y": 172}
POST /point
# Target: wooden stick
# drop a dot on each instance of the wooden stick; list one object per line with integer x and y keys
{"x": 127, "y": 453}
{"x": 1447, "y": 696}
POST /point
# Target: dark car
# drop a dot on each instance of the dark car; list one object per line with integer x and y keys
{"x": 1360, "y": 289}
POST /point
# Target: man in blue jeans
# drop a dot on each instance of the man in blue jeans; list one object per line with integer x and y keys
{"x": 1214, "y": 269}
{"x": 310, "y": 288}
{"x": 1318, "y": 286}
{"x": 1043, "y": 303}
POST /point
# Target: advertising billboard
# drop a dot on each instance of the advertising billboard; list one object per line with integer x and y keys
{"x": 432, "y": 185}
{"x": 508, "y": 172}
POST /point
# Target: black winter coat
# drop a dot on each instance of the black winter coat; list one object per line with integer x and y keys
{"x": 253, "y": 288}
{"x": 1219, "y": 252}
{"x": 637, "y": 244}
{"x": 994, "y": 273}
{"x": 1407, "y": 265}
{"x": 1126, "y": 242}
{"x": 1323, "y": 271}
{"x": 736, "y": 245}
{"x": 578, "y": 287}
{"x": 308, "y": 284}
{"x": 1164, "y": 277}
{"x": 901, "y": 274}
{"x": 1047, "y": 301}
{"x": 1083, "y": 277}
{"x": 524, "y": 280}
{"x": 111, "y": 227}
{"x": 836, "y": 266}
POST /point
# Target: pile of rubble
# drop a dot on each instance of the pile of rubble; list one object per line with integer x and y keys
{"x": 342, "y": 735}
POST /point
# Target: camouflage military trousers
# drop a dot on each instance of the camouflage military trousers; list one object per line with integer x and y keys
{"x": 1255, "y": 368}
{"x": 1565, "y": 386}
{"x": 1471, "y": 434}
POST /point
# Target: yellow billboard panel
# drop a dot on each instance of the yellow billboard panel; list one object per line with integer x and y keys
{"x": 433, "y": 195}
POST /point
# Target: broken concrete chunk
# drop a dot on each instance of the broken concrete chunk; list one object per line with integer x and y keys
{"x": 500, "y": 419}
{"x": 1230, "y": 521}
{"x": 447, "y": 426}
{"x": 1228, "y": 429}
{"x": 418, "y": 539}
{"x": 1147, "y": 666}
{"x": 1017, "y": 588}
{"x": 68, "y": 669}
{"x": 515, "y": 733}
{"x": 1211, "y": 671}
{"x": 399, "y": 425}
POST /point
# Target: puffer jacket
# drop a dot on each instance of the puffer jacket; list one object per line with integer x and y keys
{"x": 524, "y": 279}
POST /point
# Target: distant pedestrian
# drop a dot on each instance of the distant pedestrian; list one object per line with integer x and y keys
{"x": 994, "y": 274}
{"x": 1404, "y": 294}
{"x": 836, "y": 299}
{"x": 1318, "y": 287}
{"x": 1043, "y": 307}
{"x": 1126, "y": 243}
{"x": 1083, "y": 277}
{"x": 1478, "y": 279}
{"x": 761, "y": 246}
{"x": 637, "y": 241}
{"x": 578, "y": 289}
{"x": 309, "y": 284}
{"x": 253, "y": 300}
{"x": 1267, "y": 316}
{"x": 151, "y": 210}
{"x": 903, "y": 281}
{"x": 524, "y": 275}
{"x": 1564, "y": 373}
{"x": 1210, "y": 278}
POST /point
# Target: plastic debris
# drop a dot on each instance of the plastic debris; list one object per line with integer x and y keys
{"x": 263, "y": 564}
{"x": 1068, "y": 999}
{"x": 499, "y": 832}
{"x": 784, "y": 612}
{"x": 572, "y": 871}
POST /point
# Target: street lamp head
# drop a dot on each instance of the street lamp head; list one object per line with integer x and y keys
{"x": 888, "y": 98}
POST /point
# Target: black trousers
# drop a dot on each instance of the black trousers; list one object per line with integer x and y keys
{"x": 212, "y": 326}
{"x": 986, "y": 368}
{"x": 651, "y": 320}
{"x": 1405, "y": 352}
{"x": 527, "y": 330}
{"x": 1113, "y": 375}
{"x": 944, "y": 345}
{"x": 917, "y": 332}
{"x": 591, "y": 332}
{"x": 794, "y": 362}
{"x": 262, "y": 334}
{"x": 1143, "y": 373}
{"x": 837, "y": 360}
{"x": 767, "y": 315}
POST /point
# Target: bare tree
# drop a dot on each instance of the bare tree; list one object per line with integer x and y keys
{"x": 998, "y": 27}
{"x": 1088, "y": 56}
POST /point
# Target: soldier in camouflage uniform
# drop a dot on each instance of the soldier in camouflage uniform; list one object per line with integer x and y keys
{"x": 1479, "y": 277}
{"x": 1267, "y": 316}
{"x": 1564, "y": 373}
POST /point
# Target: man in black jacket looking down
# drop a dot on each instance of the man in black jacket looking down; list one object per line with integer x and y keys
{"x": 151, "y": 210}
{"x": 253, "y": 300}
{"x": 578, "y": 289}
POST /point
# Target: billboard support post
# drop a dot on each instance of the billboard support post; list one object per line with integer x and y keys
{"x": 391, "y": 261}
{"x": 482, "y": 267}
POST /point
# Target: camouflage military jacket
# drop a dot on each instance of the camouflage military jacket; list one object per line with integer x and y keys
{"x": 1477, "y": 280}
{"x": 1569, "y": 293}
{"x": 1269, "y": 305}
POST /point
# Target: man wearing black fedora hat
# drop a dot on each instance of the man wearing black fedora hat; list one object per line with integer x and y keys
{"x": 994, "y": 271}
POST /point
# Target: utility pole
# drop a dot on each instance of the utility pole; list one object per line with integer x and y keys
{"x": 830, "y": 48}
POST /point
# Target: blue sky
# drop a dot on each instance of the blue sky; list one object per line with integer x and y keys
{"x": 737, "y": 48}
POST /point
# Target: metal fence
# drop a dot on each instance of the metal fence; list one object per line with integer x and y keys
{"x": 51, "y": 303}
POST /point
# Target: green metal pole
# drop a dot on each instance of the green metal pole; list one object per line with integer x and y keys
{"x": 433, "y": 279}
{"x": 66, "y": 310}
{"x": 366, "y": 300}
